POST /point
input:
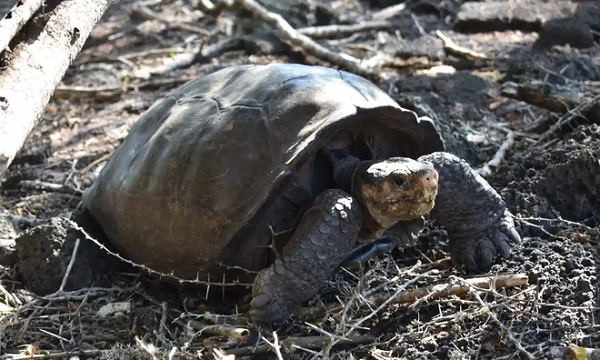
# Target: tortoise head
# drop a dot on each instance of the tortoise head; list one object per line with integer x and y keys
{"x": 396, "y": 189}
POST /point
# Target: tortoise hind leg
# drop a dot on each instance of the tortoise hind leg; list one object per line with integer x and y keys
{"x": 45, "y": 251}
{"x": 326, "y": 234}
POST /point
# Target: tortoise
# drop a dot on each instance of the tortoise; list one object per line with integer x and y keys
{"x": 278, "y": 175}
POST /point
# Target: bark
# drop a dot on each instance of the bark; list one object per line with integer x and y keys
{"x": 35, "y": 68}
{"x": 15, "y": 18}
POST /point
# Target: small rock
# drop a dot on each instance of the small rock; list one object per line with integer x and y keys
{"x": 565, "y": 31}
{"x": 117, "y": 309}
{"x": 429, "y": 343}
{"x": 440, "y": 70}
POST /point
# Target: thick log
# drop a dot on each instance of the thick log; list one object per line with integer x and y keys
{"x": 498, "y": 15}
{"x": 35, "y": 67}
{"x": 15, "y": 18}
{"x": 5, "y": 6}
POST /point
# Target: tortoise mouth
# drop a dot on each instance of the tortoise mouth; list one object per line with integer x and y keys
{"x": 410, "y": 209}
{"x": 407, "y": 201}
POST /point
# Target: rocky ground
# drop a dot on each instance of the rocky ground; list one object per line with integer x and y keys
{"x": 514, "y": 81}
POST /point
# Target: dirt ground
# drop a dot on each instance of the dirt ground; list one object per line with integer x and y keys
{"x": 520, "y": 74}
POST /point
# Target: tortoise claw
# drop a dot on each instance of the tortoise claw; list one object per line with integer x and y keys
{"x": 478, "y": 252}
{"x": 269, "y": 305}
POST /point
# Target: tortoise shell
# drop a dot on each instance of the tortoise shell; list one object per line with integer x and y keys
{"x": 208, "y": 171}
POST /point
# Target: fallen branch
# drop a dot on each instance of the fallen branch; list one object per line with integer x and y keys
{"x": 37, "y": 66}
{"x": 586, "y": 110}
{"x": 15, "y": 19}
{"x": 111, "y": 92}
{"x": 552, "y": 97}
{"x": 486, "y": 170}
{"x": 468, "y": 53}
{"x": 290, "y": 34}
{"x": 329, "y": 31}
{"x": 48, "y": 186}
{"x": 148, "y": 14}
{"x": 219, "y": 329}
{"x": 309, "y": 342}
{"x": 101, "y": 93}
{"x": 431, "y": 292}
{"x": 55, "y": 355}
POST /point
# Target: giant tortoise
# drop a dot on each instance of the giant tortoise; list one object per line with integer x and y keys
{"x": 280, "y": 173}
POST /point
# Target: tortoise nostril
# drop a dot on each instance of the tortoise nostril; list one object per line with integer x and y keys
{"x": 429, "y": 181}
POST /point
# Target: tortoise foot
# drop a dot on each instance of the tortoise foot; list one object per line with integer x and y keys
{"x": 44, "y": 253}
{"x": 479, "y": 225}
{"x": 326, "y": 234}
{"x": 478, "y": 251}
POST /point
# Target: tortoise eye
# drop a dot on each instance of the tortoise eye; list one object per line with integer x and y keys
{"x": 399, "y": 182}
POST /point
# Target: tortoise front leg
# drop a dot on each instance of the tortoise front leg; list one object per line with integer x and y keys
{"x": 479, "y": 225}
{"x": 326, "y": 234}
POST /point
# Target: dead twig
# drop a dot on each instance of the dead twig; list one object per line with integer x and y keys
{"x": 389, "y": 12}
{"x": 206, "y": 6}
{"x": 486, "y": 170}
{"x": 19, "y": 15}
{"x": 220, "y": 355}
{"x": 150, "y": 349}
{"x": 55, "y": 355}
{"x": 385, "y": 303}
{"x": 172, "y": 276}
{"x": 81, "y": 92}
{"x": 47, "y": 186}
{"x": 452, "y": 46}
{"x": 309, "y": 342}
{"x": 580, "y": 111}
{"x": 94, "y": 163}
{"x": 431, "y": 292}
{"x": 329, "y": 31}
{"x": 219, "y": 329}
{"x": 472, "y": 291}
{"x": 110, "y": 92}
{"x": 552, "y": 97}
{"x": 290, "y": 34}
{"x": 560, "y": 220}
{"x": 69, "y": 268}
{"x": 274, "y": 345}
{"x": 148, "y": 14}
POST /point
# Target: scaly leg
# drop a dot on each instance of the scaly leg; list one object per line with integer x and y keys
{"x": 479, "y": 225}
{"x": 326, "y": 234}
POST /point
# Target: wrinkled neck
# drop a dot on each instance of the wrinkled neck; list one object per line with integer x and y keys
{"x": 344, "y": 174}
{"x": 344, "y": 171}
